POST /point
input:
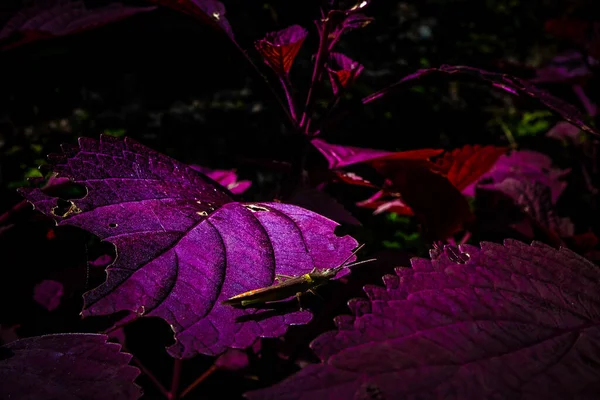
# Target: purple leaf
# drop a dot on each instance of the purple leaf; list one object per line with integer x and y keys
{"x": 506, "y": 82}
{"x": 565, "y": 67}
{"x": 533, "y": 199}
{"x": 342, "y": 71}
{"x": 279, "y": 49}
{"x": 226, "y": 178}
{"x": 102, "y": 261}
{"x": 211, "y": 12}
{"x": 67, "y": 367}
{"x": 505, "y": 321}
{"x": 232, "y": 360}
{"x": 48, "y": 294}
{"x": 525, "y": 165}
{"x": 60, "y": 18}
{"x": 184, "y": 245}
{"x": 565, "y": 132}
{"x": 355, "y": 21}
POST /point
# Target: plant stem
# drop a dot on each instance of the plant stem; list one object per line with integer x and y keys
{"x": 146, "y": 372}
{"x": 121, "y": 323}
{"x": 287, "y": 88}
{"x": 177, "y": 364}
{"x": 199, "y": 380}
{"x": 508, "y": 134}
{"x": 316, "y": 76}
{"x": 292, "y": 120}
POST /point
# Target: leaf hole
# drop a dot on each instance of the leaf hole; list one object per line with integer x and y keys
{"x": 256, "y": 208}
{"x": 113, "y": 225}
{"x": 64, "y": 208}
{"x": 456, "y": 256}
{"x": 202, "y": 213}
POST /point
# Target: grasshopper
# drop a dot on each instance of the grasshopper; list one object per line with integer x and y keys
{"x": 289, "y": 286}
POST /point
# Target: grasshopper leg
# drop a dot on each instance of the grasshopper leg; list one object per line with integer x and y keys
{"x": 298, "y": 295}
{"x": 278, "y": 277}
{"x": 312, "y": 291}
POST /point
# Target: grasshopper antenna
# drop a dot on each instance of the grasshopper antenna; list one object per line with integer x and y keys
{"x": 344, "y": 265}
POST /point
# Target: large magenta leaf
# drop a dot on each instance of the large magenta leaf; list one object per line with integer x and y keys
{"x": 505, "y": 82}
{"x": 183, "y": 245}
{"x": 56, "y": 18}
{"x": 66, "y": 367}
{"x": 505, "y": 321}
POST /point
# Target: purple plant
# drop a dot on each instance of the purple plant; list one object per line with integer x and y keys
{"x": 500, "y": 321}
{"x": 495, "y": 321}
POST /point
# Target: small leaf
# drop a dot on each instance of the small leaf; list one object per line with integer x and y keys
{"x": 226, "y": 178}
{"x": 61, "y": 18}
{"x": 505, "y": 321}
{"x": 279, "y": 49}
{"x": 67, "y": 367}
{"x": 383, "y": 201}
{"x": 183, "y": 245}
{"x": 48, "y": 294}
{"x": 568, "y": 67}
{"x": 232, "y": 360}
{"x": 351, "y": 178}
{"x": 566, "y": 133}
{"x": 342, "y": 71}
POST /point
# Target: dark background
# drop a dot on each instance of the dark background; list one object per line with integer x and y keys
{"x": 174, "y": 84}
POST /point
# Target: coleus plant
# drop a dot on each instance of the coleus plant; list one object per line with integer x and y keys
{"x": 491, "y": 321}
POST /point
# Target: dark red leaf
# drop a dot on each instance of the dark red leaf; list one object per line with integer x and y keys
{"x": 441, "y": 208}
{"x": 351, "y": 178}
{"x": 279, "y": 49}
{"x": 211, "y": 12}
{"x": 383, "y": 201}
{"x": 342, "y": 156}
{"x": 66, "y": 367}
{"x": 60, "y": 18}
{"x": 467, "y": 164}
{"x": 342, "y": 71}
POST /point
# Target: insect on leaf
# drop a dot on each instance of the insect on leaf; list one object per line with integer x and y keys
{"x": 183, "y": 245}
{"x": 507, "y": 321}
